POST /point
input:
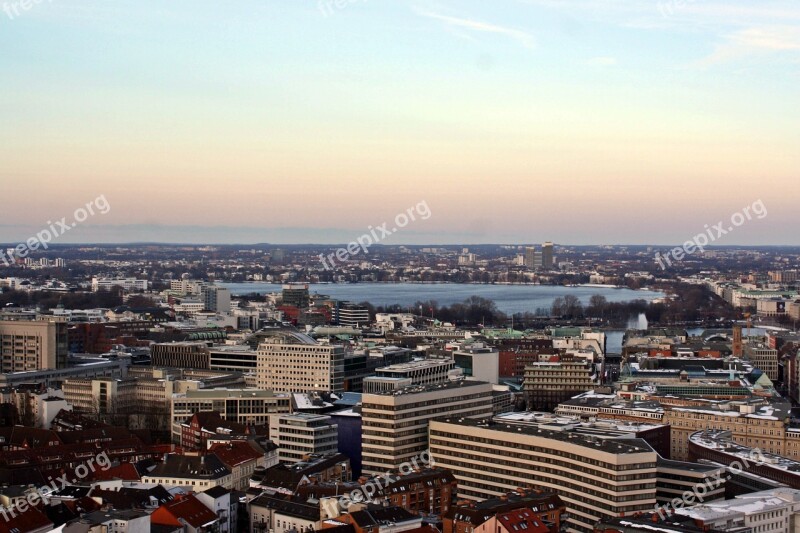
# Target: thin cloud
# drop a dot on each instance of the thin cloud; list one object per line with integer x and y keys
{"x": 604, "y": 61}
{"x": 754, "y": 41}
{"x": 524, "y": 38}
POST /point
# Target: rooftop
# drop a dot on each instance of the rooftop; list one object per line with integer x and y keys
{"x": 417, "y": 389}
{"x": 615, "y": 446}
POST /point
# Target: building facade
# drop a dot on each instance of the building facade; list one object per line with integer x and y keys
{"x": 595, "y": 478}
{"x": 395, "y": 424}
{"x": 294, "y": 362}
{"x": 300, "y": 435}
{"x": 38, "y": 344}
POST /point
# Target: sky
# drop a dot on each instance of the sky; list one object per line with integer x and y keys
{"x": 306, "y": 121}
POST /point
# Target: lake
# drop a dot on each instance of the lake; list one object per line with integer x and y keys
{"x": 509, "y": 298}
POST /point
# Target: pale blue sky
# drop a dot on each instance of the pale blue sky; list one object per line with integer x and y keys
{"x": 578, "y": 121}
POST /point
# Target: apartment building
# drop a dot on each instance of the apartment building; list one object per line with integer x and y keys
{"x": 294, "y": 362}
{"x": 395, "y": 423}
{"x": 198, "y": 472}
{"x": 242, "y": 457}
{"x": 186, "y": 286}
{"x": 32, "y": 344}
{"x": 596, "y": 478}
{"x": 246, "y": 406}
{"x": 36, "y": 406}
{"x": 548, "y": 384}
{"x": 426, "y": 491}
{"x": 300, "y": 435}
{"x": 469, "y": 516}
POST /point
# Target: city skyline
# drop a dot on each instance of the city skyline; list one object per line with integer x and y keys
{"x": 587, "y": 122}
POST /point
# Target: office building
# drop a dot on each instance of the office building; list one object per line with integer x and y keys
{"x": 478, "y": 361}
{"x": 764, "y": 358}
{"x": 181, "y": 355}
{"x": 718, "y": 447}
{"x": 784, "y": 276}
{"x": 750, "y": 424}
{"x": 351, "y": 315}
{"x": 127, "y": 284}
{"x": 84, "y": 367}
{"x": 30, "y": 345}
{"x": 595, "y": 477}
{"x": 547, "y": 255}
{"x": 251, "y": 407}
{"x": 300, "y": 435}
{"x": 548, "y": 384}
{"x": 532, "y": 258}
{"x": 233, "y": 359}
{"x": 295, "y": 294}
{"x": 294, "y": 362}
{"x": 395, "y": 423}
{"x": 217, "y": 299}
{"x": 417, "y": 372}
{"x": 348, "y": 422}
{"x": 769, "y": 511}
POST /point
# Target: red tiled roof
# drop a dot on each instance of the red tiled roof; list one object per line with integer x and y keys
{"x": 124, "y": 471}
{"x": 235, "y": 453}
{"x": 522, "y": 521}
{"x": 31, "y": 520}
{"x": 188, "y": 508}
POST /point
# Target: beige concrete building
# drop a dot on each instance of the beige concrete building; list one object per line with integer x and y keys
{"x": 596, "y": 478}
{"x": 302, "y": 434}
{"x": 36, "y": 344}
{"x": 246, "y": 406}
{"x": 548, "y": 384}
{"x": 294, "y": 362}
{"x": 756, "y": 426}
{"x": 134, "y": 402}
{"x": 764, "y": 358}
{"x": 395, "y": 423}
